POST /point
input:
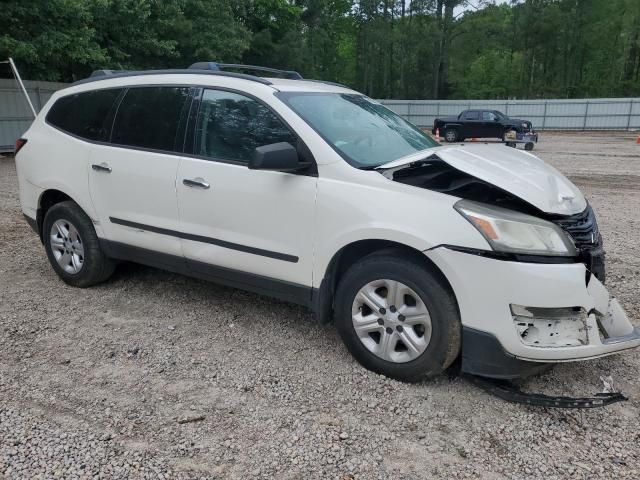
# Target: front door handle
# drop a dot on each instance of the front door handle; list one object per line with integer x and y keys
{"x": 103, "y": 167}
{"x": 196, "y": 182}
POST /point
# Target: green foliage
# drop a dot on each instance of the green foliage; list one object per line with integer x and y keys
{"x": 386, "y": 48}
{"x": 50, "y": 39}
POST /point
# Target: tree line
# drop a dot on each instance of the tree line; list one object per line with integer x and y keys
{"x": 384, "y": 48}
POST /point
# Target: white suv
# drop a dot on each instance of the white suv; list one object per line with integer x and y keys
{"x": 315, "y": 194}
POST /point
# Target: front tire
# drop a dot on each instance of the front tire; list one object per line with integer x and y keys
{"x": 398, "y": 318}
{"x": 73, "y": 247}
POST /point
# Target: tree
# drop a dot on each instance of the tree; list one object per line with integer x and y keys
{"x": 51, "y": 40}
{"x": 385, "y": 48}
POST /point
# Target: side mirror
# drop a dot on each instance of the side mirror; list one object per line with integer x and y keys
{"x": 281, "y": 157}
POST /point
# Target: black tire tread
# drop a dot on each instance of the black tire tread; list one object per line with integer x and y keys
{"x": 441, "y": 299}
{"x": 97, "y": 266}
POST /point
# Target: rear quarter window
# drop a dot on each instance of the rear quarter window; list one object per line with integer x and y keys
{"x": 84, "y": 114}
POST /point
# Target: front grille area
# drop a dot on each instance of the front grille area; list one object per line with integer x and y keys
{"x": 583, "y": 229}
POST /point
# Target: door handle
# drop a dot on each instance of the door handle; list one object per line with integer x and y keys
{"x": 196, "y": 182}
{"x": 103, "y": 167}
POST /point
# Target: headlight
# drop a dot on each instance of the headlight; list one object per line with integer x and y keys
{"x": 515, "y": 232}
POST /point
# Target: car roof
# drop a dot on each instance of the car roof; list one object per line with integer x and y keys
{"x": 288, "y": 85}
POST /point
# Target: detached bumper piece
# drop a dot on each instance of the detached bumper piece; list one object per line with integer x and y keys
{"x": 511, "y": 393}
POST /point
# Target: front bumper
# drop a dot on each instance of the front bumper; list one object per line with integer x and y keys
{"x": 486, "y": 289}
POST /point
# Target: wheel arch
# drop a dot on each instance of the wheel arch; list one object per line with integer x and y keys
{"x": 48, "y": 199}
{"x": 323, "y": 296}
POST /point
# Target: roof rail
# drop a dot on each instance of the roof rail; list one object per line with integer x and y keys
{"x": 205, "y": 68}
{"x": 99, "y": 75}
{"x": 217, "y": 67}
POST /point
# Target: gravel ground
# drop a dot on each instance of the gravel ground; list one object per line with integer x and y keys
{"x": 155, "y": 375}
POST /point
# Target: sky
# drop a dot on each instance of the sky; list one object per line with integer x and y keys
{"x": 474, "y": 5}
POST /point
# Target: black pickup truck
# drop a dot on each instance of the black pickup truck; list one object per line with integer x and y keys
{"x": 480, "y": 124}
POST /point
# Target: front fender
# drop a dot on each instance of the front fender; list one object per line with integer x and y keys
{"x": 365, "y": 205}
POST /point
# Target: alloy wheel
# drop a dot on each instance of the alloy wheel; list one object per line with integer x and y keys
{"x": 391, "y": 320}
{"x": 67, "y": 246}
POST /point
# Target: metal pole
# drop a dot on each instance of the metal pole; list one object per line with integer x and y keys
{"x": 39, "y": 98}
{"x": 586, "y": 114}
{"x": 24, "y": 90}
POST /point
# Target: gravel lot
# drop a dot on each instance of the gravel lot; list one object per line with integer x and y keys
{"x": 155, "y": 375}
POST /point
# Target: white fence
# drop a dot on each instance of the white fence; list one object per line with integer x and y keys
{"x": 583, "y": 114}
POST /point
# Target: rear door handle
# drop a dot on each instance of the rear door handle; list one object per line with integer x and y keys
{"x": 196, "y": 182}
{"x": 103, "y": 167}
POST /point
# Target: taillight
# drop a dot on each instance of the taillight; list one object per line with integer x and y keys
{"x": 21, "y": 142}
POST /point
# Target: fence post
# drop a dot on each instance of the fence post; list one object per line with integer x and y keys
{"x": 630, "y": 112}
{"x": 409, "y": 111}
{"x": 544, "y": 114}
{"x": 586, "y": 112}
{"x": 39, "y": 98}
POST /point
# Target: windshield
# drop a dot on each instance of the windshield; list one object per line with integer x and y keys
{"x": 363, "y": 132}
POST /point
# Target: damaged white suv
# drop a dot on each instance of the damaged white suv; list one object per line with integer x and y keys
{"x": 313, "y": 193}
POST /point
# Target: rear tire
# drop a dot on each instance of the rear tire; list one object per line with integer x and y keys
{"x": 378, "y": 332}
{"x": 451, "y": 135}
{"x": 73, "y": 247}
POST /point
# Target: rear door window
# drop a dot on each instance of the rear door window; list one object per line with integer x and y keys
{"x": 84, "y": 114}
{"x": 150, "y": 118}
{"x": 471, "y": 115}
{"x": 230, "y": 126}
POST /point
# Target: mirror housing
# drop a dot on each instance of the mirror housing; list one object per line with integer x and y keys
{"x": 280, "y": 157}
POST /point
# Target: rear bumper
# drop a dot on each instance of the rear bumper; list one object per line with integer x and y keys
{"x": 487, "y": 291}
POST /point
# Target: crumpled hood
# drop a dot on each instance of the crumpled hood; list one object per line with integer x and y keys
{"x": 515, "y": 171}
